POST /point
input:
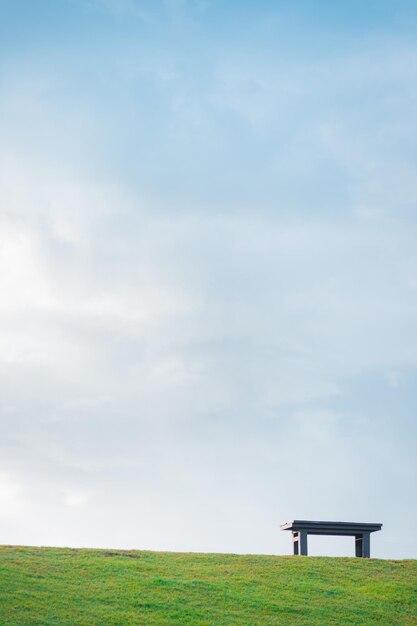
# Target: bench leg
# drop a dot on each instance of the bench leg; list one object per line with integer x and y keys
{"x": 363, "y": 545}
{"x": 299, "y": 539}
{"x": 295, "y": 544}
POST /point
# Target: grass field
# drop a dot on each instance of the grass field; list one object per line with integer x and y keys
{"x": 84, "y": 587}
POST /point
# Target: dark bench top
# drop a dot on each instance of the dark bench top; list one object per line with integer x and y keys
{"x": 330, "y": 528}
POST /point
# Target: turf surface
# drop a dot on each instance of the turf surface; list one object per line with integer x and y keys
{"x": 56, "y": 586}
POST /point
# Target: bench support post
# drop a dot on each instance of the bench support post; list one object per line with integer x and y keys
{"x": 299, "y": 539}
{"x": 363, "y": 545}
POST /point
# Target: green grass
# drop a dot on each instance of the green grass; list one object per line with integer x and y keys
{"x": 51, "y": 586}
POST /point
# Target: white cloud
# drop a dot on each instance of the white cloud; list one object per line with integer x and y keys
{"x": 75, "y": 498}
{"x": 10, "y": 496}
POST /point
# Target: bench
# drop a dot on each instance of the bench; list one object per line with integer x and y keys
{"x": 302, "y": 528}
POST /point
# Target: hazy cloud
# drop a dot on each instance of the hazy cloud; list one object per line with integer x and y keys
{"x": 208, "y": 273}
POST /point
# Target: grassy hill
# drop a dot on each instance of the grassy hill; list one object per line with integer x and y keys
{"x": 84, "y": 587}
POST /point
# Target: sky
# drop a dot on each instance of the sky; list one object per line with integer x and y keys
{"x": 208, "y": 272}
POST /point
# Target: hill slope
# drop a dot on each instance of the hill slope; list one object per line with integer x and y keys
{"x": 97, "y": 587}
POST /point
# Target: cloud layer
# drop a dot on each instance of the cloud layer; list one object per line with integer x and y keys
{"x": 208, "y": 273}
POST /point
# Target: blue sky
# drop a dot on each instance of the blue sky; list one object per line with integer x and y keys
{"x": 208, "y": 271}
